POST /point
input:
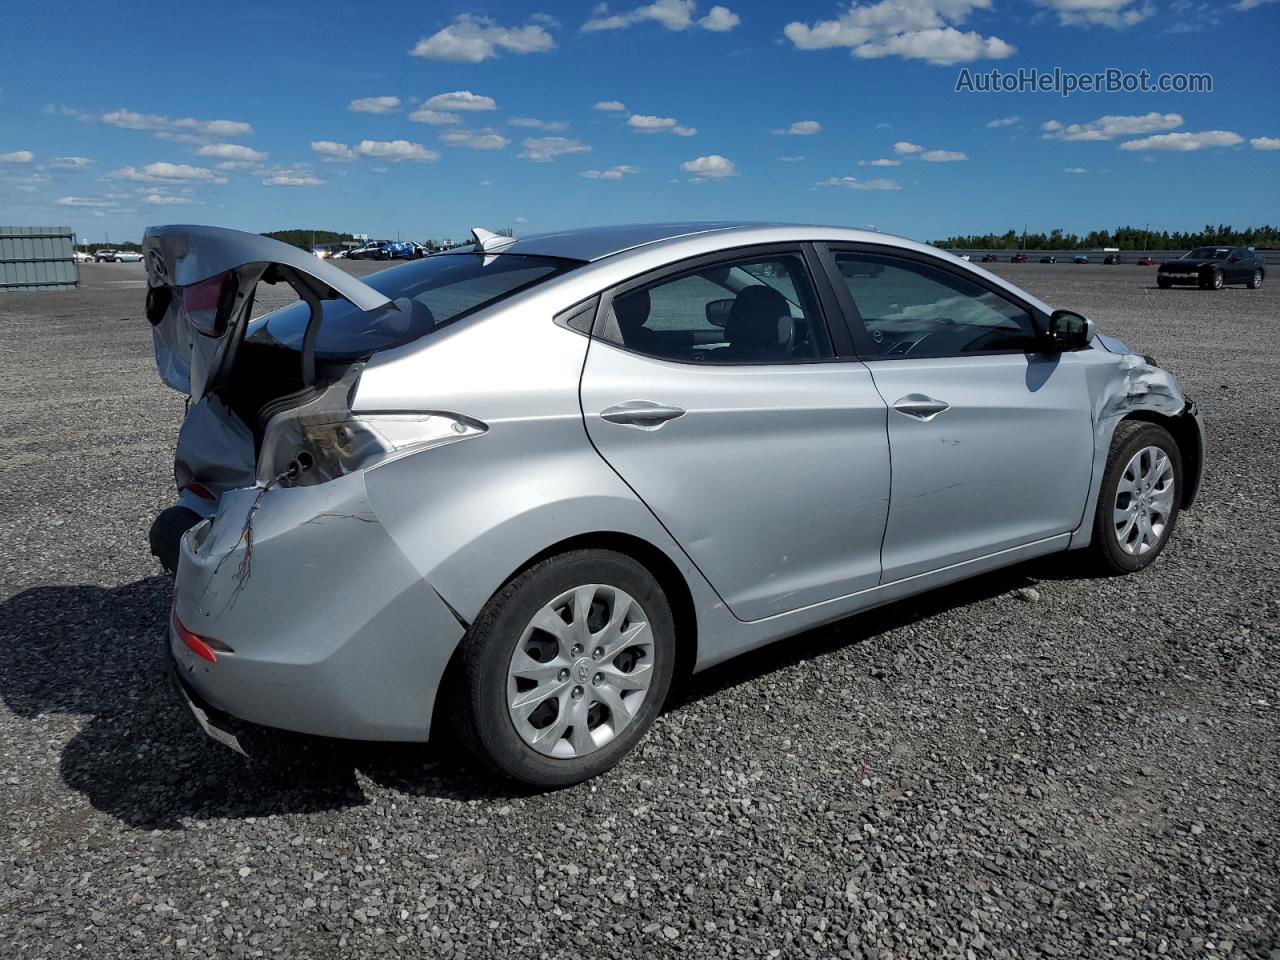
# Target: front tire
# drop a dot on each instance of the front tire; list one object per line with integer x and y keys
{"x": 566, "y": 668}
{"x": 1213, "y": 282}
{"x": 1139, "y": 499}
{"x": 1164, "y": 283}
{"x": 1256, "y": 280}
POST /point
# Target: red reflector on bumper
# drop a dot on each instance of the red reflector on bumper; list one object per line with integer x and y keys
{"x": 195, "y": 644}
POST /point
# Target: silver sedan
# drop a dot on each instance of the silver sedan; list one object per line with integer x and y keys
{"x": 517, "y": 488}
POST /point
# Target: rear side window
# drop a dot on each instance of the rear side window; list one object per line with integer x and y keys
{"x": 748, "y": 311}
{"x": 428, "y": 293}
{"x": 912, "y": 309}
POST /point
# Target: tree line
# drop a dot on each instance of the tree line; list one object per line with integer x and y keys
{"x": 1125, "y": 238}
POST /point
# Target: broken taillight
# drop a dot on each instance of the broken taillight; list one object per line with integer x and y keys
{"x": 208, "y": 304}
{"x": 203, "y": 647}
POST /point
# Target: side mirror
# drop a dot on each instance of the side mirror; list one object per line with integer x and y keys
{"x": 1069, "y": 330}
{"x": 718, "y": 312}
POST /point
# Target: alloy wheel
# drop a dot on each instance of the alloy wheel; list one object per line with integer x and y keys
{"x": 580, "y": 671}
{"x": 1144, "y": 501}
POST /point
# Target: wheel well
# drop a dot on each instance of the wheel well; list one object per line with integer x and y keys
{"x": 662, "y": 567}
{"x": 1187, "y": 436}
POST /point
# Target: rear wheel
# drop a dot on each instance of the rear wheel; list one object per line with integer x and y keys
{"x": 566, "y": 668}
{"x": 1256, "y": 280}
{"x": 1138, "y": 502}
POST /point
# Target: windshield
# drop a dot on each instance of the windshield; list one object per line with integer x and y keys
{"x": 1208, "y": 253}
{"x": 429, "y": 293}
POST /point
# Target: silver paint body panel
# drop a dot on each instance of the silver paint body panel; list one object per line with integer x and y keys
{"x": 770, "y": 496}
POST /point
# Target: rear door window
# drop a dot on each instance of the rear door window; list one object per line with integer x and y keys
{"x": 427, "y": 293}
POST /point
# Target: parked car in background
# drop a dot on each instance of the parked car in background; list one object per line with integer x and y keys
{"x": 1212, "y": 268}
{"x": 1018, "y": 258}
{"x": 128, "y": 256}
{"x": 406, "y": 250}
{"x": 990, "y": 258}
{"x": 1146, "y": 261}
{"x": 965, "y": 257}
{"x": 1048, "y": 259}
{"x": 532, "y": 480}
{"x": 105, "y": 256}
{"x": 1112, "y": 258}
{"x": 374, "y": 250}
{"x": 1080, "y": 258}
{"x": 82, "y": 256}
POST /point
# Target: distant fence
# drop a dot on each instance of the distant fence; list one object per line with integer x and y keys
{"x": 38, "y": 258}
{"x": 1269, "y": 257}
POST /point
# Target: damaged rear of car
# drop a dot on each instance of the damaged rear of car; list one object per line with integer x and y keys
{"x": 271, "y": 458}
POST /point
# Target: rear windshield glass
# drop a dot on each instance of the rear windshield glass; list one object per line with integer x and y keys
{"x": 429, "y": 293}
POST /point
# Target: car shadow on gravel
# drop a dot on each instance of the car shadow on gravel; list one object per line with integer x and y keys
{"x": 97, "y": 655}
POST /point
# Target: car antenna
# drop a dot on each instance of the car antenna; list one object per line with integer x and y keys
{"x": 489, "y": 241}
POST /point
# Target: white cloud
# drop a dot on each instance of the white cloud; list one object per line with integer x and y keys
{"x": 1185, "y": 142}
{"x": 166, "y": 128}
{"x": 537, "y": 124}
{"x": 853, "y": 183}
{"x": 293, "y": 180}
{"x": 330, "y": 150}
{"x": 613, "y": 173}
{"x": 1075, "y": 170}
{"x": 674, "y": 15}
{"x": 460, "y": 100}
{"x": 1250, "y": 4}
{"x": 521, "y": 220}
{"x": 611, "y": 106}
{"x": 232, "y": 152}
{"x": 485, "y": 139}
{"x": 1265, "y": 143}
{"x": 168, "y": 173}
{"x": 84, "y": 202}
{"x": 71, "y": 163}
{"x": 17, "y": 156}
{"x": 793, "y": 158}
{"x": 711, "y": 167}
{"x": 546, "y": 149}
{"x": 374, "y": 105}
{"x": 1111, "y": 126}
{"x": 161, "y": 200}
{"x": 645, "y": 123}
{"x": 1105, "y": 13}
{"x": 906, "y": 147}
{"x": 437, "y": 118}
{"x": 1003, "y": 121}
{"x": 942, "y": 156}
{"x": 719, "y": 19}
{"x": 472, "y": 39}
{"x": 801, "y": 128}
{"x": 396, "y": 150}
{"x": 911, "y": 29}
{"x": 880, "y": 163}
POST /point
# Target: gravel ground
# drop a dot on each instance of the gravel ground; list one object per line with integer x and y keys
{"x": 1028, "y": 764}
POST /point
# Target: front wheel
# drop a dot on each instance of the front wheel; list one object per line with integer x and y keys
{"x": 566, "y": 668}
{"x": 1256, "y": 280}
{"x": 1214, "y": 282}
{"x": 1163, "y": 283}
{"x": 1138, "y": 503}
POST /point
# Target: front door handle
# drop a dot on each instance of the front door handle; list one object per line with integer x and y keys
{"x": 920, "y": 406}
{"x": 645, "y": 414}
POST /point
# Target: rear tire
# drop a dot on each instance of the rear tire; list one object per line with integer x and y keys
{"x": 1139, "y": 499}
{"x": 589, "y": 713}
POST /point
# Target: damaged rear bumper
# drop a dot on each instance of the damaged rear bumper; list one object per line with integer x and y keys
{"x": 320, "y": 624}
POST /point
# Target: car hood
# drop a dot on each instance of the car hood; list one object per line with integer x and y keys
{"x": 1181, "y": 264}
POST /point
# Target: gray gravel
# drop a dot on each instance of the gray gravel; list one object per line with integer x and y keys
{"x": 1028, "y": 764}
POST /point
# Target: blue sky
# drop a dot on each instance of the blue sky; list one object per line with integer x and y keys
{"x": 424, "y": 119}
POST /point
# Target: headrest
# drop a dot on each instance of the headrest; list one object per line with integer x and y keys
{"x": 754, "y": 318}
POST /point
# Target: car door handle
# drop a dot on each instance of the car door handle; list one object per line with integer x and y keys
{"x": 920, "y": 406}
{"x": 645, "y": 414}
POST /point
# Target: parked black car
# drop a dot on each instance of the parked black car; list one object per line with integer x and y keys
{"x": 1018, "y": 258}
{"x": 1112, "y": 258}
{"x": 1048, "y": 259}
{"x": 1211, "y": 268}
{"x": 990, "y": 258}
